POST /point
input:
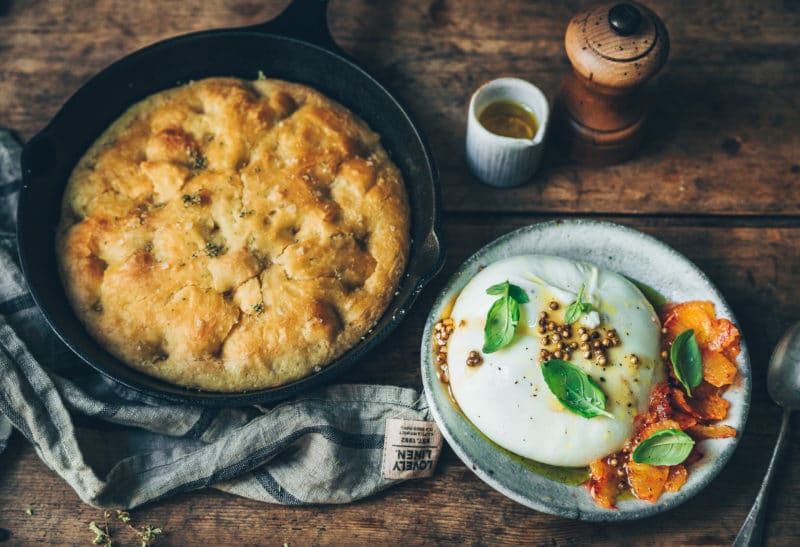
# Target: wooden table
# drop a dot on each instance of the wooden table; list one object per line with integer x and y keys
{"x": 718, "y": 179}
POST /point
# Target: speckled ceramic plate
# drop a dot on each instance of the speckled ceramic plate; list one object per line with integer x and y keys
{"x": 622, "y": 250}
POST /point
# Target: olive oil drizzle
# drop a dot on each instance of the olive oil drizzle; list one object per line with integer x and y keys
{"x": 572, "y": 476}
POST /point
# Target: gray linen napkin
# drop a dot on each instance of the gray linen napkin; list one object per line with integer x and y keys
{"x": 120, "y": 449}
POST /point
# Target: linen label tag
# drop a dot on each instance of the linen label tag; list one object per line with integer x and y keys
{"x": 410, "y": 449}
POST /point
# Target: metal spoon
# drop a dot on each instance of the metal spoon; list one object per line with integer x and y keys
{"x": 783, "y": 384}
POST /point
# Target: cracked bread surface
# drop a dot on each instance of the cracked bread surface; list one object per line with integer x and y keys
{"x": 233, "y": 235}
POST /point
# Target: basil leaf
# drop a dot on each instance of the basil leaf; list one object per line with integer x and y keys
{"x": 500, "y": 288}
{"x": 572, "y": 314}
{"x": 503, "y": 316}
{"x": 518, "y": 294}
{"x": 501, "y": 324}
{"x": 686, "y": 360}
{"x": 577, "y": 308}
{"x": 665, "y": 447}
{"x": 574, "y": 389}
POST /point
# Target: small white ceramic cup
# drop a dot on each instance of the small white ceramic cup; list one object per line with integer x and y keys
{"x": 505, "y": 161}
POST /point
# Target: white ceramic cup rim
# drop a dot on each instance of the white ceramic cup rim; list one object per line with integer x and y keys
{"x": 527, "y": 94}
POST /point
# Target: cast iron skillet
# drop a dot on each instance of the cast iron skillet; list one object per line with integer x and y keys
{"x": 295, "y": 46}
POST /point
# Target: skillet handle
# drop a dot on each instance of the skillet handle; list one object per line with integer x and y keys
{"x": 304, "y": 20}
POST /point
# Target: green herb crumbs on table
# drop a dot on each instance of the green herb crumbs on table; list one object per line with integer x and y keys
{"x": 261, "y": 75}
{"x": 101, "y": 537}
{"x": 149, "y": 535}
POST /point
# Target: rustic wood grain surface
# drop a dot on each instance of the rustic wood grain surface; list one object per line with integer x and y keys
{"x": 717, "y": 179}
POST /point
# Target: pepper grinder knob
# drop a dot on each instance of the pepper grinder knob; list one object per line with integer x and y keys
{"x": 600, "y": 110}
{"x": 624, "y": 19}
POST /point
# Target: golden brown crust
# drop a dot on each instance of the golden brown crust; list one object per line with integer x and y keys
{"x": 231, "y": 235}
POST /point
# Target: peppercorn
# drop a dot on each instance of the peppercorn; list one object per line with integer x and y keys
{"x": 474, "y": 359}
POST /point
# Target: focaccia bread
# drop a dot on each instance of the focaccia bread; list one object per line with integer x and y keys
{"x": 231, "y": 235}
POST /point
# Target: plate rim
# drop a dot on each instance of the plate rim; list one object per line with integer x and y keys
{"x": 642, "y": 509}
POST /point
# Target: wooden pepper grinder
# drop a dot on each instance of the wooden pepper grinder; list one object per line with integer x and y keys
{"x": 600, "y": 109}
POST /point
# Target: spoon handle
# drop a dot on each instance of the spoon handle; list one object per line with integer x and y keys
{"x": 752, "y": 532}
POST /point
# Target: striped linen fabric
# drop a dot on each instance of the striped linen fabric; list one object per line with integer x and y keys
{"x": 120, "y": 449}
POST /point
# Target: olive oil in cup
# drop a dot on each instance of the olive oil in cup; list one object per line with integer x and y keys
{"x": 509, "y": 119}
{"x": 506, "y": 127}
